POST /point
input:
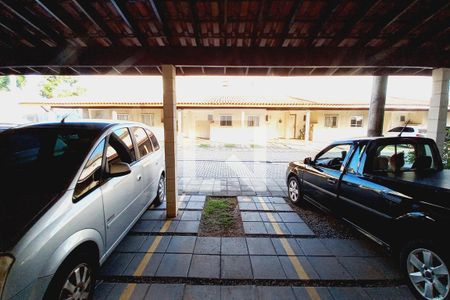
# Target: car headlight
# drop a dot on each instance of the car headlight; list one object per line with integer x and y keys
{"x": 6, "y": 262}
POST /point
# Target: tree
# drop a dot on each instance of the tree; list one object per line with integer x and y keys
{"x": 5, "y": 82}
{"x": 60, "y": 86}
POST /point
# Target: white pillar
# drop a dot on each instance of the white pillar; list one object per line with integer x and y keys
{"x": 307, "y": 125}
{"x": 170, "y": 138}
{"x": 437, "y": 114}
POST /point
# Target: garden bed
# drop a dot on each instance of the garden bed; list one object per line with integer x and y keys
{"x": 221, "y": 217}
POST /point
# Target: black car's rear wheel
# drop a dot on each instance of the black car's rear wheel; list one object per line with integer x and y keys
{"x": 427, "y": 270}
{"x": 294, "y": 190}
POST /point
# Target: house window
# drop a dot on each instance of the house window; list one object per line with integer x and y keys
{"x": 253, "y": 121}
{"x": 356, "y": 121}
{"x": 226, "y": 121}
{"x": 402, "y": 118}
{"x": 210, "y": 118}
{"x": 331, "y": 121}
{"x": 148, "y": 119}
{"x": 123, "y": 117}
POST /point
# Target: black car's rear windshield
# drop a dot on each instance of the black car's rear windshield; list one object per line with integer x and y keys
{"x": 399, "y": 129}
{"x": 37, "y": 164}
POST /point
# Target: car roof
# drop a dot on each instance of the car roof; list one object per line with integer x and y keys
{"x": 100, "y": 125}
{"x": 386, "y": 138}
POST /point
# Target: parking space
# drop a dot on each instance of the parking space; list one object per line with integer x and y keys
{"x": 279, "y": 257}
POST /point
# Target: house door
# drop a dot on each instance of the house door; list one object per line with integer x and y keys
{"x": 202, "y": 128}
{"x": 292, "y": 126}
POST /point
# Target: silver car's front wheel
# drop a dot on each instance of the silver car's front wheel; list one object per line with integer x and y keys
{"x": 78, "y": 283}
{"x": 428, "y": 273}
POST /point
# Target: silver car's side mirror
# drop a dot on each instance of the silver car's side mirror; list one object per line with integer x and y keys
{"x": 119, "y": 169}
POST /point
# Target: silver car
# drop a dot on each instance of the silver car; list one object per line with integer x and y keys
{"x": 69, "y": 193}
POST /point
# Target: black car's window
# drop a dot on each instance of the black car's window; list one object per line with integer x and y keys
{"x": 153, "y": 139}
{"x": 91, "y": 174}
{"x": 333, "y": 157}
{"x": 120, "y": 141}
{"x": 142, "y": 141}
{"x": 403, "y": 157}
{"x": 354, "y": 163}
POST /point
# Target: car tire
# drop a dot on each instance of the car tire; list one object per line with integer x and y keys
{"x": 426, "y": 268}
{"x": 294, "y": 191}
{"x": 75, "y": 277}
{"x": 161, "y": 193}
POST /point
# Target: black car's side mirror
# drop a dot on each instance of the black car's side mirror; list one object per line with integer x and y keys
{"x": 119, "y": 169}
{"x": 308, "y": 161}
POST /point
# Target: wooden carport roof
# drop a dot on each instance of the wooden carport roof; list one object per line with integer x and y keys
{"x": 234, "y": 37}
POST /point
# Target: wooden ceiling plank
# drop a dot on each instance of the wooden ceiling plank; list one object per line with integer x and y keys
{"x": 121, "y": 9}
{"x": 161, "y": 15}
{"x": 330, "y": 8}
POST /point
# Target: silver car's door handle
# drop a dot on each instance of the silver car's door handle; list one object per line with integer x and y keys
{"x": 138, "y": 177}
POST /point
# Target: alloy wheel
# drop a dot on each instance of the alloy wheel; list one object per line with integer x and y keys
{"x": 162, "y": 189}
{"x": 428, "y": 274}
{"x": 78, "y": 283}
{"x": 293, "y": 190}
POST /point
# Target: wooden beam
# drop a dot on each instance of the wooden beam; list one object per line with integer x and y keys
{"x": 223, "y": 56}
{"x": 326, "y": 13}
{"x": 365, "y": 7}
{"x": 16, "y": 29}
{"x": 195, "y": 22}
{"x": 257, "y": 25}
{"x": 90, "y": 13}
{"x": 160, "y": 14}
{"x": 121, "y": 9}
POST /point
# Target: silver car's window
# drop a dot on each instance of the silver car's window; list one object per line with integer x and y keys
{"x": 91, "y": 174}
{"x": 142, "y": 141}
{"x": 153, "y": 139}
{"x": 121, "y": 141}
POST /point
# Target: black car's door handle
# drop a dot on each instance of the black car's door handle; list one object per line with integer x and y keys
{"x": 331, "y": 180}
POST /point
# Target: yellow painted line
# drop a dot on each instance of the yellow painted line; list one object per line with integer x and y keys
{"x": 128, "y": 291}
{"x": 301, "y": 273}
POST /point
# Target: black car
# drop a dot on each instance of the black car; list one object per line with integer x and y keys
{"x": 395, "y": 191}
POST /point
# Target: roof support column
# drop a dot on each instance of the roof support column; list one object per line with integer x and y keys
{"x": 307, "y": 125}
{"x": 437, "y": 114}
{"x": 376, "y": 108}
{"x": 170, "y": 138}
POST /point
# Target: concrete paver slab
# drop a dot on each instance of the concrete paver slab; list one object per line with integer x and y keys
{"x": 269, "y": 217}
{"x": 165, "y": 292}
{"x": 174, "y": 265}
{"x": 329, "y": 268}
{"x": 302, "y": 293}
{"x": 276, "y": 228}
{"x": 131, "y": 243}
{"x": 348, "y": 293}
{"x": 250, "y": 216}
{"x": 102, "y": 290}
{"x": 233, "y": 246}
{"x": 363, "y": 268}
{"x": 313, "y": 247}
{"x": 280, "y": 247}
{"x": 191, "y": 216}
{"x": 260, "y": 246}
{"x": 116, "y": 264}
{"x": 290, "y": 217}
{"x": 139, "y": 291}
{"x": 205, "y": 266}
{"x": 298, "y": 267}
{"x": 201, "y": 292}
{"x": 267, "y": 267}
{"x": 299, "y": 229}
{"x": 243, "y": 292}
{"x": 151, "y": 264}
{"x": 235, "y": 267}
{"x": 181, "y": 244}
{"x": 389, "y": 293}
{"x": 207, "y": 245}
{"x": 275, "y": 292}
{"x": 187, "y": 226}
{"x": 162, "y": 245}
{"x": 254, "y": 228}
{"x": 247, "y": 206}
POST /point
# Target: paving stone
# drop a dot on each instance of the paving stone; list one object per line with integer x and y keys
{"x": 198, "y": 198}
{"x": 184, "y": 198}
{"x": 302, "y": 293}
{"x": 144, "y": 226}
{"x": 313, "y": 247}
{"x": 174, "y": 265}
{"x": 267, "y": 267}
{"x": 182, "y": 205}
{"x": 241, "y": 292}
{"x": 389, "y": 293}
{"x": 154, "y": 259}
{"x": 235, "y": 267}
{"x": 276, "y": 228}
{"x": 205, "y": 266}
{"x": 165, "y": 292}
{"x": 131, "y": 243}
{"x": 282, "y": 207}
{"x": 191, "y": 216}
{"x": 250, "y": 216}
{"x": 201, "y": 292}
{"x": 368, "y": 248}
{"x": 247, "y": 206}
{"x": 280, "y": 248}
{"x": 138, "y": 292}
{"x": 154, "y": 215}
{"x": 116, "y": 264}
{"x": 303, "y": 271}
{"x": 260, "y": 246}
{"x": 299, "y": 229}
{"x": 340, "y": 247}
{"x": 207, "y": 245}
{"x": 290, "y": 217}
{"x": 195, "y": 205}
{"x": 264, "y": 206}
{"x": 233, "y": 246}
{"x": 102, "y": 290}
{"x": 254, "y": 228}
{"x": 163, "y": 242}
{"x": 275, "y": 292}
{"x": 260, "y": 199}
{"x": 244, "y": 199}
{"x": 181, "y": 244}
{"x": 269, "y": 216}
{"x": 277, "y": 200}
{"x": 329, "y": 268}
{"x": 160, "y": 224}
{"x": 187, "y": 227}
{"x": 362, "y": 268}
{"x": 348, "y": 293}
